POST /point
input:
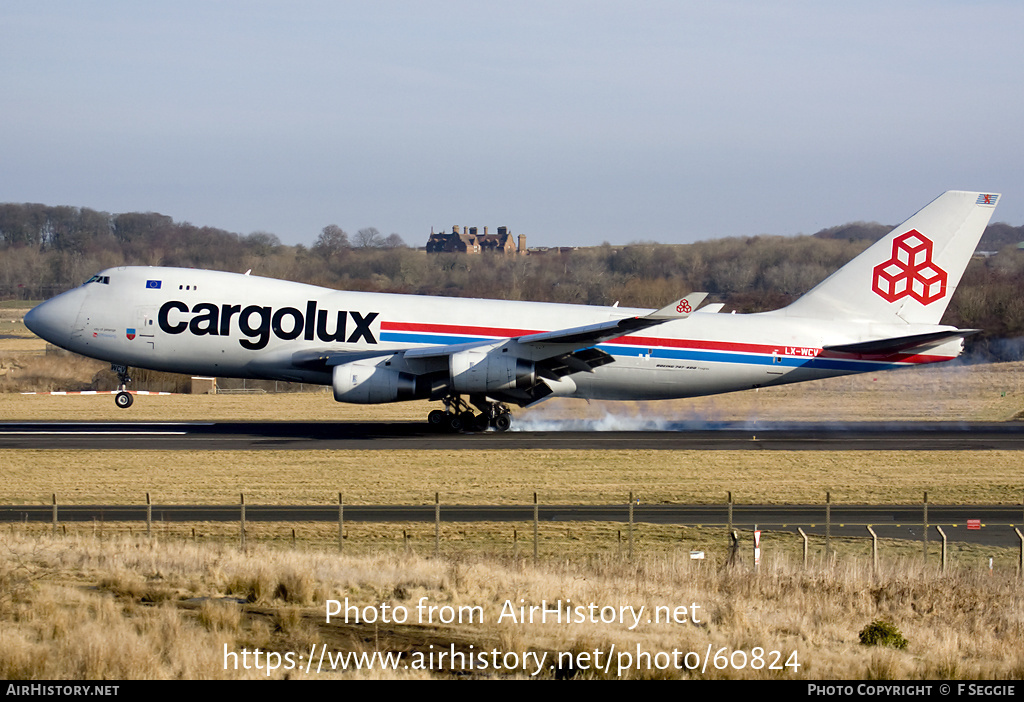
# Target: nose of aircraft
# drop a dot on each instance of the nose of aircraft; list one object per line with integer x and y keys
{"x": 54, "y": 319}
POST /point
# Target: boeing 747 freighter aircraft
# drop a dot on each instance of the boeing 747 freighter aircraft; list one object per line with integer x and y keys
{"x": 880, "y": 311}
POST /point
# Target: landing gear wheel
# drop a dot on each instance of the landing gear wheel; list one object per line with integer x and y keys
{"x": 458, "y": 415}
{"x": 468, "y": 421}
{"x": 437, "y": 420}
{"x": 478, "y": 424}
{"x": 123, "y": 399}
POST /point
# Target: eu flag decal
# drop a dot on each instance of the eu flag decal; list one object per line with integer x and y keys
{"x": 153, "y": 284}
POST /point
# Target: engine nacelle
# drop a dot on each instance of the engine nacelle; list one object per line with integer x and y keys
{"x": 372, "y": 381}
{"x": 487, "y": 369}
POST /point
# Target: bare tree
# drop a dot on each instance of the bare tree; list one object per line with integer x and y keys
{"x": 262, "y": 244}
{"x": 332, "y": 242}
{"x": 369, "y": 238}
{"x": 394, "y": 241}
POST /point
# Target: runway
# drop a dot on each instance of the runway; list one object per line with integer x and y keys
{"x": 995, "y": 523}
{"x": 306, "y": 436}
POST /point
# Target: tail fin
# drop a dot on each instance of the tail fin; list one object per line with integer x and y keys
{"x": 910, "y": 275}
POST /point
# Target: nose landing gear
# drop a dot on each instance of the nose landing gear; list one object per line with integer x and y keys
{"x": 123, "y": 398}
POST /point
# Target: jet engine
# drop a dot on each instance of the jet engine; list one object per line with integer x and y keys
{"x": 373, "y": 381}
{"x": 484, "y": 370}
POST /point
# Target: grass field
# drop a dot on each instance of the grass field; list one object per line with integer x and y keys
{"x": 117, "y": 608}
{"x": 487, "y": 477}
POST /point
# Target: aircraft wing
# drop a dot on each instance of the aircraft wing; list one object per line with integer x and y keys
{"x": 585, "y": 336}
{"x": 326, "y": 358}
{"x": 553, "y": 354}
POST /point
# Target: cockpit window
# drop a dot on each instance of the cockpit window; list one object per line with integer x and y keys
{"x": 104, "y": 279}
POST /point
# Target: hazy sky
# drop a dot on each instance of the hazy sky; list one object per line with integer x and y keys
{"x": 570, "y": 122}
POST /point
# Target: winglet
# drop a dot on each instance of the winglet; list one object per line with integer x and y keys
{"x": 680, "y": 309}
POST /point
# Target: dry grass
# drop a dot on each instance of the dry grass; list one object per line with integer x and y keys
{"x": 556, "y": 540}
{"x": 47, "y": 373}
{"x": 25, "y": 365}
{"x": 482, "y": 477}
{"x": 15, "y": 338}
{"x": 84, "y": 608}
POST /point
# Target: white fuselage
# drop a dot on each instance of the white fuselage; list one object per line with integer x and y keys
{"x": 230, "y": 325}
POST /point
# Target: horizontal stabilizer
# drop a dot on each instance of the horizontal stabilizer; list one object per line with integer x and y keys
{"x": 900, "y": 344}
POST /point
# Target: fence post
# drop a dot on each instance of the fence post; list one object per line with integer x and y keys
{"x": 536, "y": 519}
{"x": 828, "y": 523}
{"x": 242, "y": 520}
{"x": 804, "y": 536}
{"x": 630, "y": 550}
{"x": 874, "y": 551}
{"x": 54, "y": 514}
{"x": 437, "y": 525}
{"x": 943, "y": 535}
{"x": 734, "y": 549}
{"x": 757, "y": 549}
{"x": 149, "y": 518}
{"x": 1020, "y": 563}
{"x": 925, "y": 525}
{"x": 728, "y": 524}
{"x": 341, "y": 523}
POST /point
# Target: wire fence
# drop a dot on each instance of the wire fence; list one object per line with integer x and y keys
{"x": 702, "y": 535}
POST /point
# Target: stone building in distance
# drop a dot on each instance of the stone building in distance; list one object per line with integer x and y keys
{"x": 469, "y": 240}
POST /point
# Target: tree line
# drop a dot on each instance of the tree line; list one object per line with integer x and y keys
{"x": 45, "y": 250}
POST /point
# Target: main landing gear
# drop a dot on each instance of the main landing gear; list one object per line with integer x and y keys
{"x": 123, "y": 398}
{"x": 458, "y": 416}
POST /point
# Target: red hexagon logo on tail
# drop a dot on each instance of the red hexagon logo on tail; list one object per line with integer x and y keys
{"x": 910, "y": 271}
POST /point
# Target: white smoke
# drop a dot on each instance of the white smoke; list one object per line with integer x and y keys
{"x": 612, "y": 416}
{"x": 608, "y": 422}
{"x": 948, "y": 392}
